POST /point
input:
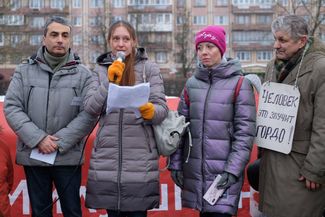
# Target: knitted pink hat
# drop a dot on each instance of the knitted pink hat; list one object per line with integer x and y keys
{"x": 213, "y": 34}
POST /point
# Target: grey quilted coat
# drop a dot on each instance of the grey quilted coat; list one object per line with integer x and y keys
{"x": 40, "y": 103}
{"x": 123, "y": 173}
{"x": 222, "y": 134}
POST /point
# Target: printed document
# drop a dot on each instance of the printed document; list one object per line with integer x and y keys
{"x": 130, "y": 97}
{"x": 47, "y": 158}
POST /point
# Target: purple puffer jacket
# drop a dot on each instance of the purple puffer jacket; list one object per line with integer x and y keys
{"x": 222, "y": 134}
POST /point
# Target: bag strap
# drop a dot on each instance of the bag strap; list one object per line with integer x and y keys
{"x": 237, "y": 89}
{"x": 144, "y": 76}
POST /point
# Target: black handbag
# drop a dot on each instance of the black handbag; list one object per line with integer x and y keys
{"x": 253, "y": 172}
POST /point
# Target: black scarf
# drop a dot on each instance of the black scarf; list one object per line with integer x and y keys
{"x": 283, "y": 67}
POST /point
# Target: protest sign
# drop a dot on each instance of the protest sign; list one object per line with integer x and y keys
{"x": 276, "y": 116}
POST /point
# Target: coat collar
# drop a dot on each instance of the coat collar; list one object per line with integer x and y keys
{"x": 226, "y": 69}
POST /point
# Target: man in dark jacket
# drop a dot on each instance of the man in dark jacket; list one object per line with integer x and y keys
{"x": 44, "y": 107}
{"x": 292, "y": 184}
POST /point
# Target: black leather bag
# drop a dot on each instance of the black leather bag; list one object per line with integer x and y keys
{"x": 253, "y": 172}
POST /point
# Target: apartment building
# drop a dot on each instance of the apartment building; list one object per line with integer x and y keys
{"x": 166, "y": 28}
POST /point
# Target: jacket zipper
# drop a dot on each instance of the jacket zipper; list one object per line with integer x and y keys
{"x": 28, "y": 96}
{"x": 48, "y": 96}
{"x": 203, "y": 120}
{"x": 146, "y": 136}
{"x": 119, "y": 160}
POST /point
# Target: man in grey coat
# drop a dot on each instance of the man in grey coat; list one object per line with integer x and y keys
{"x": 44, "y": 107}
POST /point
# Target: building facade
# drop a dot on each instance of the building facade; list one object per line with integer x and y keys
{"x": 166, "y": 28}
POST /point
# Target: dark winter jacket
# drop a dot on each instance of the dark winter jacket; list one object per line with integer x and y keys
{"x": 222, "y": 133}
{"x": 281, "y": 194}
{"x": 123, "y": 173}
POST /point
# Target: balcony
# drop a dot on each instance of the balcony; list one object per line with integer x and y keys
{"x": 150, "y": 8}
{"x": 251, "y": 26}
{"x": 252, "y": 45}
{"x": 155, "y": 27}
{"x": 253, "y": 9}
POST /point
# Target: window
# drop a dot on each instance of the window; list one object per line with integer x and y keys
{"x": 243, "y": 19}
{"x": 162, "y": 2}
{"x": 322, "y": 36}
{"x": 118, "y": 3}
{"x": 14, "y": 20}
{"x": 97, "y": 39}
{"x": 182, "y": 3}
{"x": 264, "y": 19}
{"x": 262, "y": 37}
{"x": 322, "y": 18}
{"x": 15, "y": 40}
{"x": 116, "y": 18}
{"x": 161, "y": 57}
{"x": 15, "y": 4}
{"x": 199, "y": 20}
{"x": 139, "y": 2}
{"x": 36, "y": 40}
{"x": 37, "y": 22}
{"x": 77, "y": 39}
{"x": 96, "y": 3}
{"x": 2, "y": 38}
{"x": 76, "y": 3}
{"x": 59, "y": 4}
{"x": 243, "y": 55}
{"x": 95, "y": 21}
{"x": 163, "y": 19}
{"x": 200, "y": 3}
{"x": 221, "y": 2}
{"x": 264, "y": 55}
{"x": 77, "y": 21}
{"x": 36, "y": 4}
{"x": 93, "y": 56}
{"x": 221, "y": 20}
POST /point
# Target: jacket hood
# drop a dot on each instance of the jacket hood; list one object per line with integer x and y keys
{"x": 108, "y": 58}
{"x": 227, "y": 68}
{"x": 316, "y": 46}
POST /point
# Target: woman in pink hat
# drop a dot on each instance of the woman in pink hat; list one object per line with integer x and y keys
{"x": 219, "y": 103}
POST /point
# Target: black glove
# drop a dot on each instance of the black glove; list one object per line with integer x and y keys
{"x": 227, "y": 179}
{"x": 177, "y": 176}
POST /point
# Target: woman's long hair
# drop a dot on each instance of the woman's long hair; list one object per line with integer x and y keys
{"x": 128, "y": 78}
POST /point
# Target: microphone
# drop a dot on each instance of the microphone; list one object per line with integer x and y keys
{"x": 120, "y": 56}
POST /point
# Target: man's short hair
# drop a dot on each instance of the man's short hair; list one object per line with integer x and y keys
{"x": 56, "y": 19}
{"x": 295, "y": 26}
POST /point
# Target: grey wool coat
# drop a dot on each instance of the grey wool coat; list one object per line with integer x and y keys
{"x": 123, "y": 173}
{"x": 281, "y": 194}
{"x": 40, "y": 102}
{"x": 222, "y": 131}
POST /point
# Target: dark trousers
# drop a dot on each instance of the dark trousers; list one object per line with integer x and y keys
{"x": 213, "y": 214}
{"x": 67, "y": 181}
{"x": 113, "y": 213}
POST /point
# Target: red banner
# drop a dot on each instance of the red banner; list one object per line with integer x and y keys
{"x": 170, "y": 204}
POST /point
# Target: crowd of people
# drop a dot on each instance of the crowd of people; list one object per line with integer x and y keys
{"x": 54, "y": 101}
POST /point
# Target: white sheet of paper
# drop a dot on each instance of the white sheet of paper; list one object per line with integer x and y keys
{"x": 47, "y": 158}
{"x": 131, "y": 97}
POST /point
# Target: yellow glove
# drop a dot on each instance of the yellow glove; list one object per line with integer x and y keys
{"x": 147, "y": 111}
{"x": 115, "y": 71}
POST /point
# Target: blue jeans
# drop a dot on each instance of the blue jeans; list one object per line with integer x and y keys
{"x": 67, "y": 181}
{"x": 114, "y": 213}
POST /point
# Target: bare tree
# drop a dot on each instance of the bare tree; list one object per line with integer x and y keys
{"x": 309, "y": 8}
{"x": 183, "y": 37}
